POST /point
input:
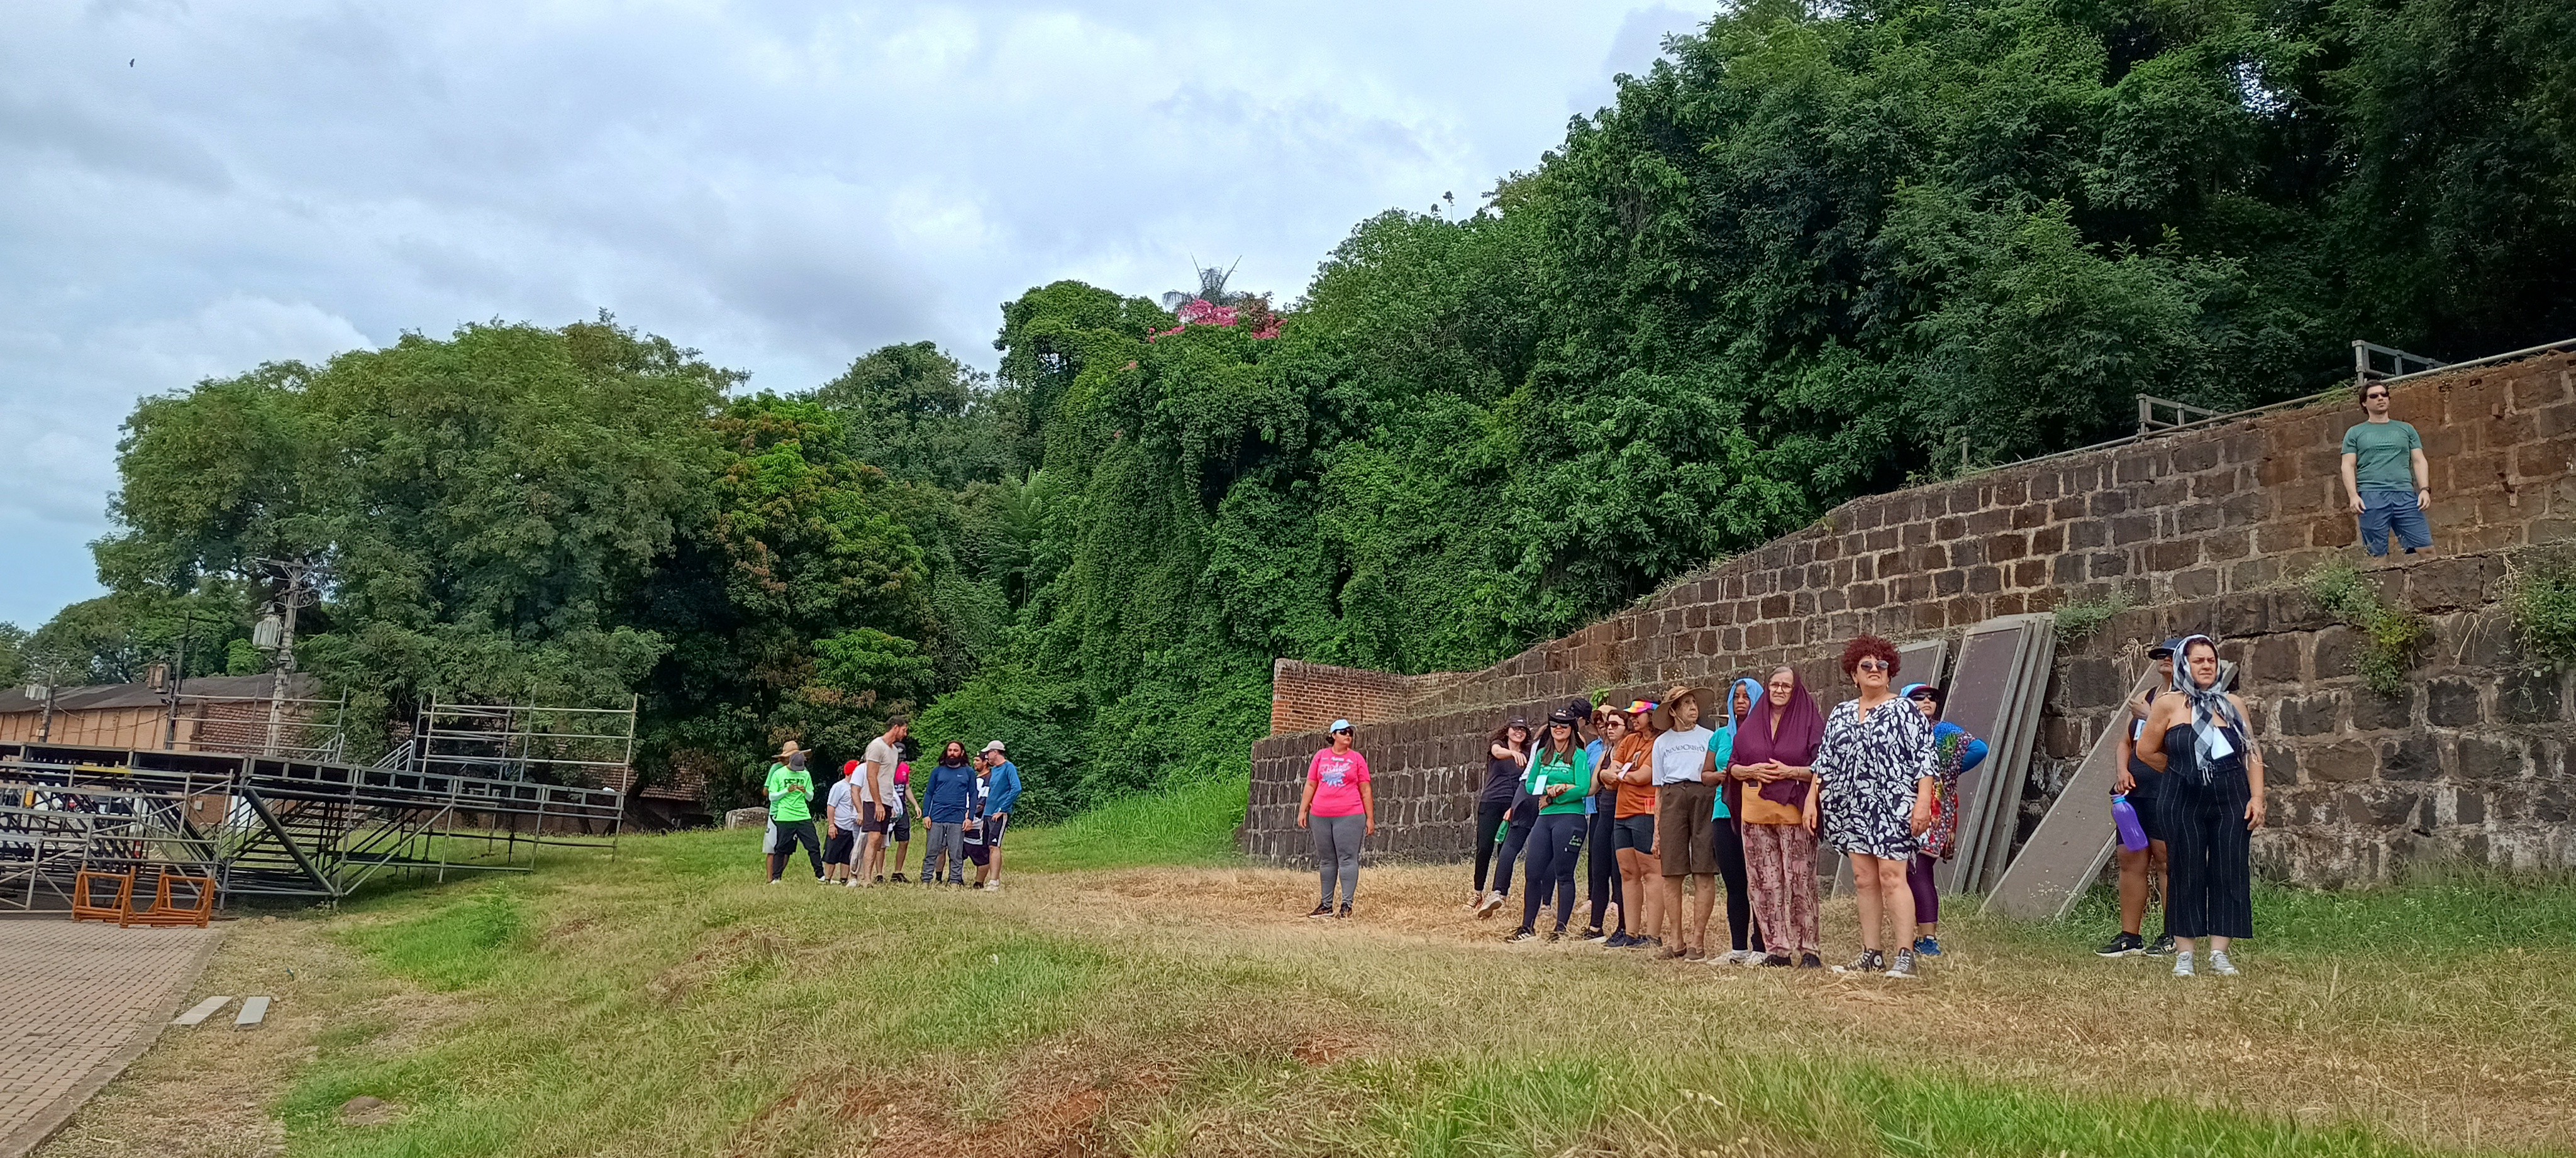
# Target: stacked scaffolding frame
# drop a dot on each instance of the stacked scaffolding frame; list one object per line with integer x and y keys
{"x": 274, "y": 826}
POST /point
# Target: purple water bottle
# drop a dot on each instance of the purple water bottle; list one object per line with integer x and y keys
{"x": 2133, "y": 835}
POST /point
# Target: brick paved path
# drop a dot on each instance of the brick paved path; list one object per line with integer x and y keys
{"x": 77, "y": 1002}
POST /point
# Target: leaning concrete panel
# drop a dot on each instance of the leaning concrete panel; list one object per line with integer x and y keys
{"x": 2003, "y": 813}
{"x": 2074, "y": 840}
{"x": 1985, "y": 696}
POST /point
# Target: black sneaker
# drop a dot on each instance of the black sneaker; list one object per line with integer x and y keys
{"x": 1869, "y": 961}
{"x": 1776, "y": 961}
{"x": 880, "y": 878}
{"x": 1620, "y": 940}
{"x": 1517, "y": 936}
{"x": 1595, "y": 934}
{"x": 1810, "y": 961}
{"x": 2124, "y": 945}
{"x": 898, "y": 879}
{"x": 1344, "y": 913}
{"x": 1555, "y": 935}
{"x": 1645, "y": 942}
{"x": 2162, "y": 946}
{"x": 1322, "y": 910}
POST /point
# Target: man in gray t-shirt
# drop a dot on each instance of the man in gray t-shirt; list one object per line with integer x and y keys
{"x": 877, "y": 797}
{"x": 2386, "y": 477}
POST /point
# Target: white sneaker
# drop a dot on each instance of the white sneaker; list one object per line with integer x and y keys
{"x": 1749, "y": 956}
{"x": 2182, "y": 964}
{"x": 849, "y": 882}
{"x": 2219, "y": 964}
{"x": 992, "y": 886}
{"x": 776, "y": 881}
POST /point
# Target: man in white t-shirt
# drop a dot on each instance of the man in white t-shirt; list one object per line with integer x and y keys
{"x": 877, "y": 795}
{"x": 1685, "y": 812}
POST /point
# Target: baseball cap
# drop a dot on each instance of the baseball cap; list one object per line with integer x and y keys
{"x": 994, "y": 746}
{"x": 1339, "y": 726}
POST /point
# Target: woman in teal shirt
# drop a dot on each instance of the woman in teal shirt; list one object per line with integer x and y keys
{"x": 1560, "y": 776}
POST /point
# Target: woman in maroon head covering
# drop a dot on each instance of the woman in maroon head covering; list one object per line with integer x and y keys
{"x": 1773, "y": 776}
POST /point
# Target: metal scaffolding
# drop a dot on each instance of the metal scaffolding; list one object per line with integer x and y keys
{"x": 278, "y": 826}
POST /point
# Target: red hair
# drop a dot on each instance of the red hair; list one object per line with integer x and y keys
{"x": 1864, "y": 646}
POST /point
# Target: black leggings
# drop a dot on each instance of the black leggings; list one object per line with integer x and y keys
{"x": 2209, "y": 853}
{"x": 1739, "y": 898}
{"x": 790, "y": 834}
{"x": 1489, "y": 823}
{"x": 1516, "y": 834}
{"x": 1603, "y": 865}
{"x": 1555, "y": 842}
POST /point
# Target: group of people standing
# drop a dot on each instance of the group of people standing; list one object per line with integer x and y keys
{"x": 1693, "y": 791}
{"x": 965, "y": 803}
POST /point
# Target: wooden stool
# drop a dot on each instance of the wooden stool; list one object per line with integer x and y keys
{"x": 164, "y": 914}
{"x": 84, "y": 910}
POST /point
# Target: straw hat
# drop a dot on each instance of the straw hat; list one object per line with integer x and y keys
{"x": 1663, "y": 715}
{"x": 790, "y": 750}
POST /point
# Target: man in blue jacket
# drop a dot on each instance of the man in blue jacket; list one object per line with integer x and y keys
{"x": 948, "y": 803}
{"x": 1003, "y": 777}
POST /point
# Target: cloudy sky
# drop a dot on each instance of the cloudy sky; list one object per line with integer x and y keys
{"x": 191, "y": 187}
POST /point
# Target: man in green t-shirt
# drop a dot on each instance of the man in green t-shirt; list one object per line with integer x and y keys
{"x": 791, "y": 813}
{"x": 2385, "y": 475}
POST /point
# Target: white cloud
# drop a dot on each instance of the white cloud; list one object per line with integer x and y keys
{"x": 782, "y": 185}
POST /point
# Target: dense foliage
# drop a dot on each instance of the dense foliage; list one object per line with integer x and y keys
{"x": 1814, "y": 252}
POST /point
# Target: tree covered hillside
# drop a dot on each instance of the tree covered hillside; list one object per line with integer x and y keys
{"x": 1817, "y": 251}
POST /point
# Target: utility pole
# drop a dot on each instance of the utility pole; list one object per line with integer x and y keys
{"x": 178, "y": 681}
{"x": 276, "y": 634}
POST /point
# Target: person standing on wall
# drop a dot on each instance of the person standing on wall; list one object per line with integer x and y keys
{"x": 1629, "y": 773}
{"x": 1876, "y": 769}
{"x": 2386, "y": 478}
{"x": 1600, "y": 804}
{"x": 1560, "y": 776}
{"x": 1002, "y": 788}
{"x": 1774, "y": 762}
{"x": 2213, "y": 803}
{"x": 946, "y": 805}
{"x": 791, "y": 808}
{"x": 2144, "y": 786}
{"x": 1954, "y": 751}
{"x": 1685, "y": 809}
{"x": 876, "y": 796}
{"x": 1503, "y": 814}
{"x": 1342, "y": 807}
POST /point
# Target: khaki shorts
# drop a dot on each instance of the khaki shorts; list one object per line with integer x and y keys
{"x": 1685, "y": 835}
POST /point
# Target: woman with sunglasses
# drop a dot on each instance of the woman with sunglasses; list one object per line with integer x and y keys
{"x": 1600, "y": 817}
{"x": 2213, "y": 802}
{"x": 1560, "y": 776}
{"x": 1629, "y": 772}
{"x": 1344, "y": 810}
{"x": 1954, "y": 751}
{"x": 1877, "y": 772}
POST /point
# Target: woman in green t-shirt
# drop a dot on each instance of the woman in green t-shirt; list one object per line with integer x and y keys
{"x": 1560, "y": 776}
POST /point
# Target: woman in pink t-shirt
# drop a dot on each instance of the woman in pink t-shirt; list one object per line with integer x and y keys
{"x": 1343, "y": 809}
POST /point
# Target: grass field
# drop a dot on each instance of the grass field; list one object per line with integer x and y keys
{"x": 1138, "y": 990}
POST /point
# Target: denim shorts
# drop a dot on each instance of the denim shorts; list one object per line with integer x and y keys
{"x": 2393, "y": 512}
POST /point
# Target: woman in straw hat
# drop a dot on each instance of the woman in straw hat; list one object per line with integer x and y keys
{"x": 1686, "y": 815}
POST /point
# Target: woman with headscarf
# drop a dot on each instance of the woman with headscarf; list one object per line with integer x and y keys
{"x": 1560, "y": 776}
{"x": 2213, "y": 802}
{"x": 1877, "y": 776}
{"x": 1954, "y": 751}
{"x": 1727, "y": 836}
{"x": 1630, "y": 773}
{"x": 1774, "y": 771}
{"x": 1506, "y": 762}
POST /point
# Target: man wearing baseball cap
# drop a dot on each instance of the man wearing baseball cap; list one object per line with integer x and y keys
{"x": 2144, "y": 787}
{"x": 1002, "y": 793}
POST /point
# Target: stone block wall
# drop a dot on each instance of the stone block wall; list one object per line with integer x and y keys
{"x": 2201, "y": 528}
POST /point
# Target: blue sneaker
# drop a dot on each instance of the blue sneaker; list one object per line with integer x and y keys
{"x": 1927, "y": 947}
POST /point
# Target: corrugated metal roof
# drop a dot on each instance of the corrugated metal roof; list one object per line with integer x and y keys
{"x": 95, "y": 697}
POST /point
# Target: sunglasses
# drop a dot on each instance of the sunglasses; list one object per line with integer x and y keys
{"x": 1874, "y": 665}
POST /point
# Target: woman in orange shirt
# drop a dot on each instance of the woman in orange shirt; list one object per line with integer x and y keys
{"x": 1630, "y": 772}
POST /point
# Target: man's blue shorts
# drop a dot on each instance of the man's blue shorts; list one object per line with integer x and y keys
{"x": 2387, "y": 512}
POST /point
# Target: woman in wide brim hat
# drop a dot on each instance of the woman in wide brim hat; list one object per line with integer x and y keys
{"x": 1663, "y": 713}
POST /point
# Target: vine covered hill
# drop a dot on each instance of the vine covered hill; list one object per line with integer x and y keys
{"x": 1816, "y": 251}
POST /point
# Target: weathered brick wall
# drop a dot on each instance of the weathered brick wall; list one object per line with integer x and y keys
{"x": 2197, "y": 526}
{"x": 1308, "y": 697}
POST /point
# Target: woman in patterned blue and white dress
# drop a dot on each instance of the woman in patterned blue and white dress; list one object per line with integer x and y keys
{"x": 1879, "y": 772}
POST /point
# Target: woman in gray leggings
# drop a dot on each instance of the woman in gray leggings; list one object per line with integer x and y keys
{"x": 1342, "y": 808}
